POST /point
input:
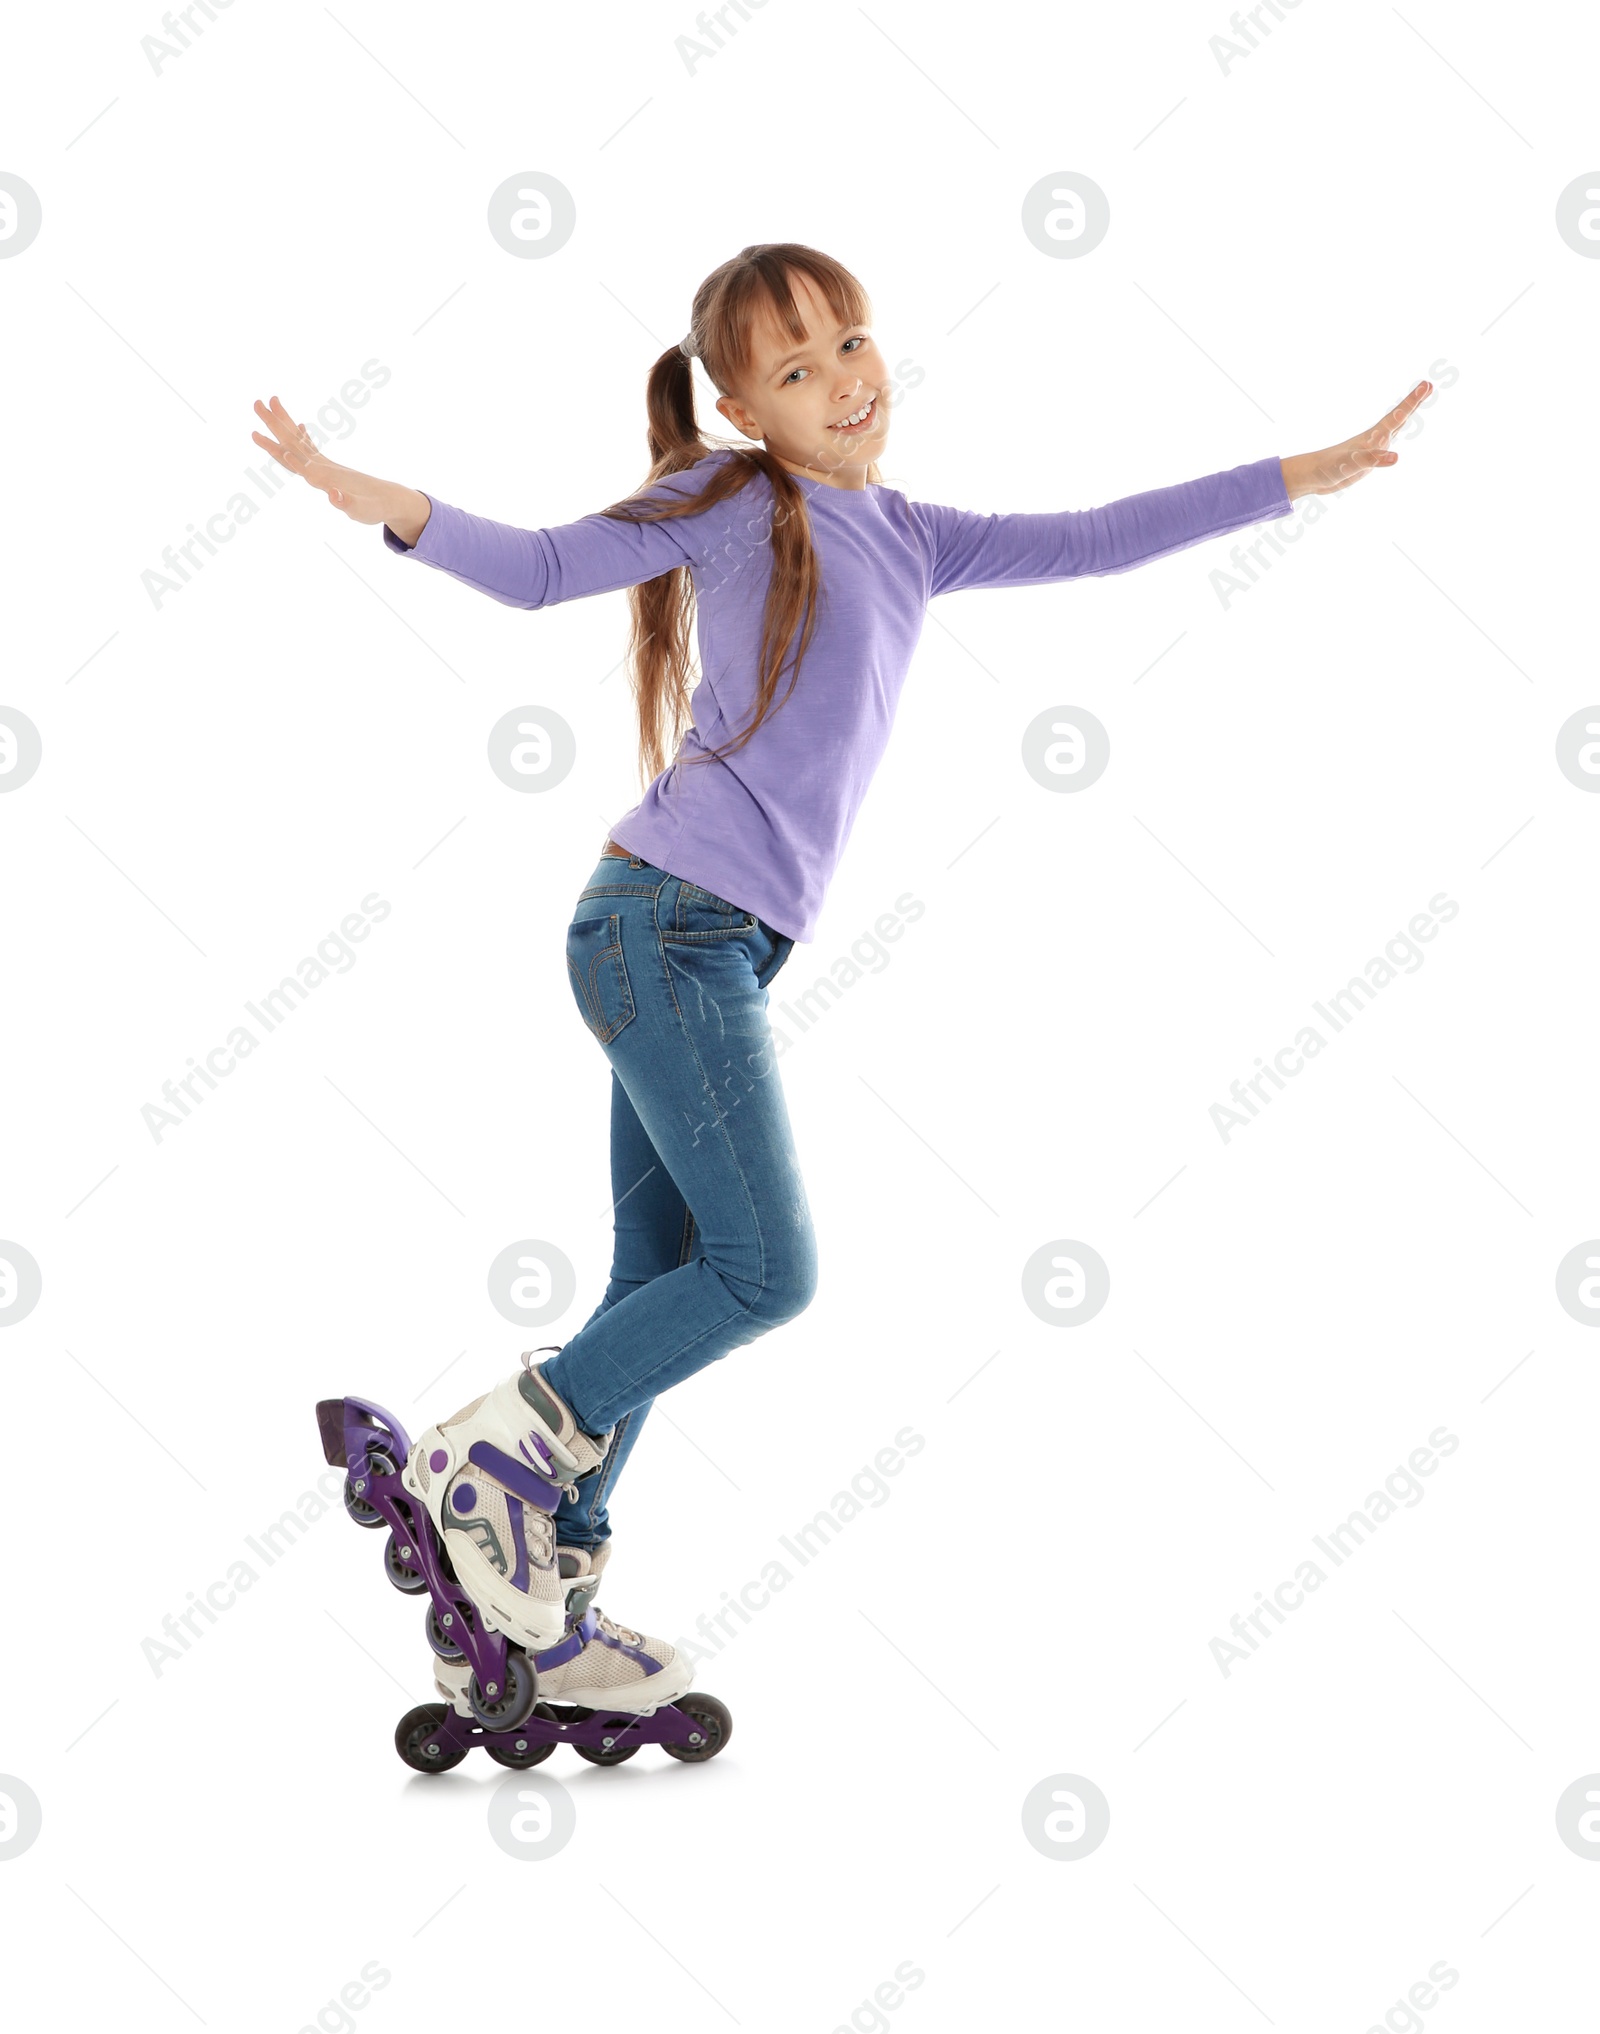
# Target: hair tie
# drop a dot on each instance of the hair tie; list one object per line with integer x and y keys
{"x": 686, "y": 347}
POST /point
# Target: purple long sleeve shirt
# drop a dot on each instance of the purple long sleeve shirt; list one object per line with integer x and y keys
{"x": 766, "y": 827}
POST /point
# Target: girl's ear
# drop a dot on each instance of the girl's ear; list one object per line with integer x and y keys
{"x": 738, "y": 416}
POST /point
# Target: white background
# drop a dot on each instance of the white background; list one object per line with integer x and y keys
{"x": 1294, "y": 242}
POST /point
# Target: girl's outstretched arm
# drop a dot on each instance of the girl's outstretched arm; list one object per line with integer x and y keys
{"x": 518, "y": 567}
{"x": 963, "y": 549}
{"x": 1341, "y": 466}
{"x": 362, "y": 498}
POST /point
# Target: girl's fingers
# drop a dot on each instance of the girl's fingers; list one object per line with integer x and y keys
{"x": 291, "y": 444}
{"x": 294, "y": 448}
{"x": 1377, "y": 439}
{"x": 1405, "y": 406}
{"x": 281, "y": 426}
{"x": 279, "y": 415}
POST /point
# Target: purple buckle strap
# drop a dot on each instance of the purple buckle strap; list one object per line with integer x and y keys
{"x": 529, "y": 1486}
{"x": 567, "y": 1648}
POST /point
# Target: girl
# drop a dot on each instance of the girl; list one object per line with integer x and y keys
{"x": 807, "y": 579}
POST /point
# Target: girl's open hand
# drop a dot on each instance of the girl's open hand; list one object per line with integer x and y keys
{"x": 363, "y": 499}
{"x": 1341, "y": 466}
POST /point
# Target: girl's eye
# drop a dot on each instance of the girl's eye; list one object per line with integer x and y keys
{"x": 860, "y": 339}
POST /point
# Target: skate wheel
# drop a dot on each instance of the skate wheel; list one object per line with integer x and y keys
{"x": 712, "y": 1723}
{"x": 598, "y": 1755}
{"x": 404, "y": 1577}
{"x": 514, "y": 1703}
{"x": 417, "y": 1730}
{"x": 364, "y": 1514}
{"x": 531, "y": 1754}
{"x": 440, "y": 1640}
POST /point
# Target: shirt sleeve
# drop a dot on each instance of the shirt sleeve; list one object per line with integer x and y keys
{"x": 570, "y": 561}
{"x": 967, "y": 549}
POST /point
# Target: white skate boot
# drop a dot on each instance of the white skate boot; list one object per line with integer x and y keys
{"x": 491, "y": 1477}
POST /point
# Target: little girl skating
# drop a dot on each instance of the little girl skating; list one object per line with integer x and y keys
{"x": 806, "y": 581}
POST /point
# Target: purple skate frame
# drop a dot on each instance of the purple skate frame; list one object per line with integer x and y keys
{"x": 349, "y": 1426}
{"x": 610, "y": 1731}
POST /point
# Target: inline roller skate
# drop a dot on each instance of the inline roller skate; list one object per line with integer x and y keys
{"x": 596, "y": 1685}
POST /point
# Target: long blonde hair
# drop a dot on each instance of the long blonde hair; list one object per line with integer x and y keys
{"x": 727, "y": 306}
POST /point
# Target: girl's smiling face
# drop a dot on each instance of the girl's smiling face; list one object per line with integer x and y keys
{"x": 801, "y": 391}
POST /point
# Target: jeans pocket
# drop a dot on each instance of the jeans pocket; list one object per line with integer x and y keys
{"x": 599, "y": 975}
{"x": 701, "y": 914}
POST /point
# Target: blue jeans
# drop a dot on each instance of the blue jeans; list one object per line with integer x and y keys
{"x": 713, "y": 1243}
